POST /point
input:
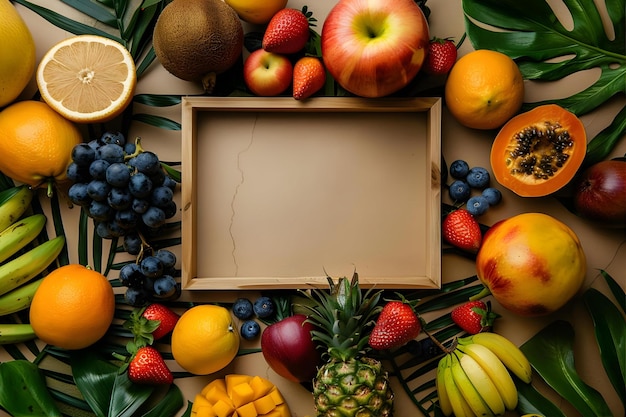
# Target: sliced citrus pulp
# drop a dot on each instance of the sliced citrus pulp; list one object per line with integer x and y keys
{"x": 87, "y": 78}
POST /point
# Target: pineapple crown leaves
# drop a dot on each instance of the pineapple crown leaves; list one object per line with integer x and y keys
{"x": 343, "y": 316}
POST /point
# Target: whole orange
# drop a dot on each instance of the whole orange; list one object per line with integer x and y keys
{"x": 205, "y": 339}
{"x": 484, "y": 89}
{"x": 73, "y": 307}
{"x": 36, "y": 143}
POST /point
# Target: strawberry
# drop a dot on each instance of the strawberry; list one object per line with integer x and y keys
{"x": 440, "y": 57}
{"x": 148, "y": 367}
{"x": 287, "y": 32}
{"x": 165, "y": 316}
{"x": 396, "y": 325}
{"x": 309, "y": 77}
{"x": 474, "y": 316}
{"x": 461, "y": 229}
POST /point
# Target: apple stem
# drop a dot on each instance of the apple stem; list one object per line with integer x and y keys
{"x": 483, "y": 293}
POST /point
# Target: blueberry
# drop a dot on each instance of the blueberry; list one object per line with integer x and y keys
{"x": 459, "y": 169}
{"x": 478, "y": 177}
{"x": 161, "y": 196}
{"x": 169, "y": 182}
{"x": 113, "y": 137}
{"x": 493, "y": 195}
{"x": 127, "y": 219}
{"x": 98, "y": 190}
{"x": 263, "y": 307}
{"x": 459, "y": 191}
{"x": 110, "y": 153}
{"x": 477, "y": 205}
{"x": 140, "y": 206}
{"x": 99, "y": 211}
{"x": 119, "y": 198}
{"x": 250, "y": 329}
{"x": 169, "y": 209}
{"x": 77, "y": 173}
{"x": 242, "y": 308}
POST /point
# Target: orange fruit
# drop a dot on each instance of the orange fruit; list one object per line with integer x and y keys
{"x": 205, "y": 339}
{"x": 484, "y": 89}
{"x": 73, "y": 307}
{"x": 87, "y": 78}
{"x": 36, "y": 143}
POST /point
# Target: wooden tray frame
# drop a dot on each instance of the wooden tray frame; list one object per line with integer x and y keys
{"x": 192, "y": 110}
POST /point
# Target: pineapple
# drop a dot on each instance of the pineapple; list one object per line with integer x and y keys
{"x": 349, "y": 383}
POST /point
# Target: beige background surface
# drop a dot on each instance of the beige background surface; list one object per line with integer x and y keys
{"x": 605, "y": 248}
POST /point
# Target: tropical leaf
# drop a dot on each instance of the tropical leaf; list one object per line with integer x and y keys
{"x": 551, "y": 354}
{"x": 546, "y": 50}
{"x": 531, "y": 401}
{"x": 23, "y": 390}
{"x": 610, "y": 330}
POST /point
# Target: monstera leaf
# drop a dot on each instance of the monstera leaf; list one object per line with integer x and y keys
{"x": 547, "y": 49}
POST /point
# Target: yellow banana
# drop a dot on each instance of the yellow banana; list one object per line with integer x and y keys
{"x": 482, "y": 383}
{"x": 19, "y": 298}
{"x": 440, "y": 383}
{"x": 27, "y": 266}
{"x": 16, "y": 333}
{"x": 467, "y": 389}
{"x": 15, "y": 205}
{"x": 512, "y": 357}
{"x": 496, "y": 371}
{"x": 19, "y": 234}
{"x": 460, "y": 407}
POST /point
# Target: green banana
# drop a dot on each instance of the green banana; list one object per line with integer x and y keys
{"x": 467, "y": 389}
{"x": 14, "y": 206}
{"x": 496, "y": 371}
{"x": 510, "y": 355}
{"x": 483, "y": 384}
{"x": 460, "y": 407}
{"x": 19, "y": 234}
{"x": 440, "y": 383}
{"x": 16, "y": 333}
{"x": 18, "y": 299}
{"x": 27, "y": 266}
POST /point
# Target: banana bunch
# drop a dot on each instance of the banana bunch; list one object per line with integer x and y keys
{"x": 474, "y": 379}
{"x": 17, "y": 287}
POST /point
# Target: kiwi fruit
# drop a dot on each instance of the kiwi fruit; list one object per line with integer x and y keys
{"x": 196, "y": 40}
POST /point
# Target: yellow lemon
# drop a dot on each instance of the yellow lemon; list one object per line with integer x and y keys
{"x": 484, "y": 89}
{"x": 17, "y": 53}
{"x": 87, "y": 78}
{"x": 73, "y": 307}
{"x": 205, "y": 339}
{"x": 256, "y": 12}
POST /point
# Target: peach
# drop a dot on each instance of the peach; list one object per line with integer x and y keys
{"x": 532, "y": 264}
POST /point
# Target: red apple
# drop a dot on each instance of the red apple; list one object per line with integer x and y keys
{"x": 600, "y": 193}
{"x": 267, "y": 74}
{"x": 373, "y": 48}
{"x": 289, "y": 350}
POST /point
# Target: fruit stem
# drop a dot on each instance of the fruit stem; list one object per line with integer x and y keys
{"x": 483, "y": 293}
{"x": 138, "y": 149}
{"x": 439, "y": 344}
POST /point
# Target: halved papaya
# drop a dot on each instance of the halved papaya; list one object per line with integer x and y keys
{"x": 538, "y": 152}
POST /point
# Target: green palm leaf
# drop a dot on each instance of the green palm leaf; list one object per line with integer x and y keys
{"x": 545, "y": 50}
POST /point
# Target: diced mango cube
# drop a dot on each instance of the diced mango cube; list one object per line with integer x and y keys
{"x": 277, "y": 397}
{"x": 264, "y": 404}
{"x": 260, "y": 386}
{"x": 223, "y": 408}
{"x": 247, "y": 410}
{"x": 280, "y": 411}
{"x": 205, "y": 411}
{"x": 232, "y": 380}
{"x": 242, "y": 394}
{"x": 215, "y": 384}
{"x": 198, "y": 400}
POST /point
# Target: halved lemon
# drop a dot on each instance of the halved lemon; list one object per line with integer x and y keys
{"x": 87, "y": 78}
